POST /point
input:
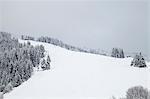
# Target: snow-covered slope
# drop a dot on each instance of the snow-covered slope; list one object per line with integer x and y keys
{"x": 76, "y": 75}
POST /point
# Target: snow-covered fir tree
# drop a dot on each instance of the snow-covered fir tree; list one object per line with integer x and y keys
{"x": 45, "y": 64}
{"x": 117, "y": 52}
{"x": 8, "y": 88}
{"x": 48, "y": 61}
{"x": 138, "y": 61}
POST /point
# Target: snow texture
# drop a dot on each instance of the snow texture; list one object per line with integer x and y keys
{"x": 76, "y": 75}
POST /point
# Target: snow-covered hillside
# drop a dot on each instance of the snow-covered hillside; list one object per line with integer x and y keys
{"x": 76, "y": 75}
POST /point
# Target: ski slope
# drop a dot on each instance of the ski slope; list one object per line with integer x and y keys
{"x": 76, "y": 75}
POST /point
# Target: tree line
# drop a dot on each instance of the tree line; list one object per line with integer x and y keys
{"x": 138, "y": 60}
{"x": 17, "y": 61}
{"x": 60, "y": 43}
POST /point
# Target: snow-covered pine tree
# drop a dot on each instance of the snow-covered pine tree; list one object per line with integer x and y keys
{"x": 138, "y": 61}
{"x": 48, "y": 62}
{"x": 114, "y": 52}
{"x": 117, "y": 52}
{"x": 42, "y": 50}
{"x": 16, "y": 81}
{"x": 121, "y": 53}
{"x": 43, "y": 64}
{"x": 8, "y": 88}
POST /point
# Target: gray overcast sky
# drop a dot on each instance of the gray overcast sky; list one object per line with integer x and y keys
{"x": 93, "y": 24}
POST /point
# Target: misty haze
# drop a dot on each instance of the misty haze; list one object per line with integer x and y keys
{"x": 91, "y": 24}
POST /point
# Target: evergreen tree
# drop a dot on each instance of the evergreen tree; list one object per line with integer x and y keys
{"x": 8, "y": 88}
{"x": 117, "y": 52}
{"x": 138, "y": 61}
{"x": 42, "y": 50}
{"x": 48, "y": 63}
{"x": 48, "y": 60}
{"x": 43, "y": 64}
{"x": 16, "y": 81}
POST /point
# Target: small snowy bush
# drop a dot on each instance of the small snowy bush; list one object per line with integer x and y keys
{"x": 137, "y": 92}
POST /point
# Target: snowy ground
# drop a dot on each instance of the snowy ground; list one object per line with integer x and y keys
{"x": 76, "y": 75}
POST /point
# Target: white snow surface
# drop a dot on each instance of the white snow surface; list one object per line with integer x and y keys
{"x": 76, "y": 75}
